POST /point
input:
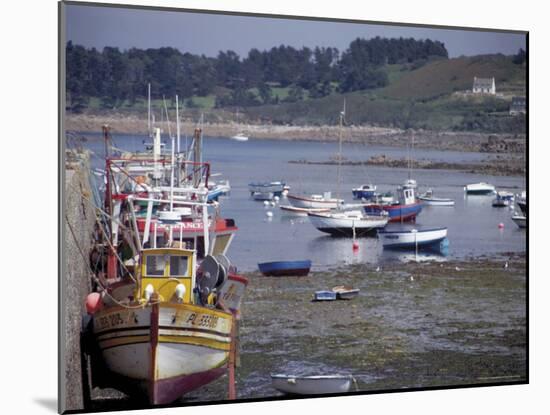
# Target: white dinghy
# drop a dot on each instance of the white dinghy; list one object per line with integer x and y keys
{"x": 311, "y": 385}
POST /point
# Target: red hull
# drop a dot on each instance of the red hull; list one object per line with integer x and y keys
{"x": 169, "y": 390}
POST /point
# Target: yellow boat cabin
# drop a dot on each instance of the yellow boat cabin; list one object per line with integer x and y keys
{"x": 169, "y": 273}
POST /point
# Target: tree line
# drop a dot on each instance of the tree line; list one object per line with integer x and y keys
{"x": 115, "y": 75}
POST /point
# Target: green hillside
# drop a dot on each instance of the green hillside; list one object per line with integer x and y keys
{"x": 446, "y": 76}
{"x": 430, "y": 97}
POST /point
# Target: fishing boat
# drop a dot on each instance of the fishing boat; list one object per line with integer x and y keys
{"x": 285, "y": 268}
{"x": 386, "y": 197}
{"x": 165, "y": 317}
{"x": 275, "y": 187}
{"x": 428, "y": 199}
{"x": 165, "y": 339}
{"x": 239, "y": 137}
{"x": 412, "y": 238}
{"x": 315, "y": 201}
{"x": 263, "y": 196}
{"x": 344, "y": 292}
{"x": 324, "y": 295}
{"x": 347, "y": 223}
{"x": 366, "y": 191}
{"x": 410, "y": 183}
{"x": 479, "y": 189}
{"x": 215, "y": 190}
{"x": 405, "y": 209}
{"x": 311, "y": 385}
{"x": 520, "y": 220}
{"x": 301, "y": 211}
{"x": 503, "y": 199}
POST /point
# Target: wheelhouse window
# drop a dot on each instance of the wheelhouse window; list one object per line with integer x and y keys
{"x": 178, "y": 266}
{"x": 155, "y": 265}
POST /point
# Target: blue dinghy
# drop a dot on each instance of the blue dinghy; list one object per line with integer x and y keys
{"x": 285, "y": 268}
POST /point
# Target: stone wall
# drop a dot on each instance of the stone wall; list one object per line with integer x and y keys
{"x": 75, "y": 276}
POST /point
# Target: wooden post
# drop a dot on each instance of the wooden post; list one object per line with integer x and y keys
{"x": 233, "y": 359}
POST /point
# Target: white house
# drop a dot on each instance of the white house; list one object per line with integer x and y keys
{"x": 484, "y": 86}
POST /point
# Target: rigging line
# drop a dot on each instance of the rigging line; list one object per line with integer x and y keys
{"x": 123, "y": 227}
{"x": 94, "y": 277}
{"x": 167, "y": 119}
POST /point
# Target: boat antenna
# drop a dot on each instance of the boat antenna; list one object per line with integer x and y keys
{"x": 177, "y": 124}
{"x": 149, "y": 108}
{"x": 412, "y": 154}
{"x": 178, "y": 138}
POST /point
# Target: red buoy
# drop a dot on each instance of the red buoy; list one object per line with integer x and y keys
{"x": 355, "y": 246}
{"x": 501, "y": 225}
{"x": 93, "y": 303}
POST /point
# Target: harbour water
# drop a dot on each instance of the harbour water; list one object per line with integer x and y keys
{"x": 472, "y": 223}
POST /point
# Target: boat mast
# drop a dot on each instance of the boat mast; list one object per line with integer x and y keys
{"x": 342, "y": 114}
{"x": 178, "y": 132}
{"x": 149, "y": 109}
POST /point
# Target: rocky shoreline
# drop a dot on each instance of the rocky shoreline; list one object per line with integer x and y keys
{"x": 498, "y": 166}
{"x": 364, "y": 134}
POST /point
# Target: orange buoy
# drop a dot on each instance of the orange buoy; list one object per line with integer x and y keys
{"x": 93, "y": 303}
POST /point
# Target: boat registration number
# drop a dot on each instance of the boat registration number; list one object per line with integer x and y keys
{"x": 202, "y": 320}
{"x": 115, "y": 320}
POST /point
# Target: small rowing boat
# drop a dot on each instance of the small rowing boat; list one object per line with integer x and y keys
{"x": 344, "y": 292}
{"x": 285, "y": 268}
{"x": 520, "y": 220}
{"x": 311, "y": 385}
{"x": 324, "y": 295}
{"x": 429, "y": 199}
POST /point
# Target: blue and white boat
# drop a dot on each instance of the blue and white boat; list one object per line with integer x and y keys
{"x": 366, "y": 191}
{"x": 324, "y": 295}
{"x": 275, "y": 187}
{"x": 413, "y": 238}
{"x": 285, "y": 268}
{"x": 215, "y": 190}
{"x": 405, "y": 209}
{"x": 503, "y": 199}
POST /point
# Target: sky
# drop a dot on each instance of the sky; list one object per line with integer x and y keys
{"x": 207, "y": 34}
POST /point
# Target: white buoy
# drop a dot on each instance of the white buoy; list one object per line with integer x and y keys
{"x": 276, "y": 199}
{"x": 266, "y": 203}
{"x": 272, "y": 203}
{"x": 269, "y": 214}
